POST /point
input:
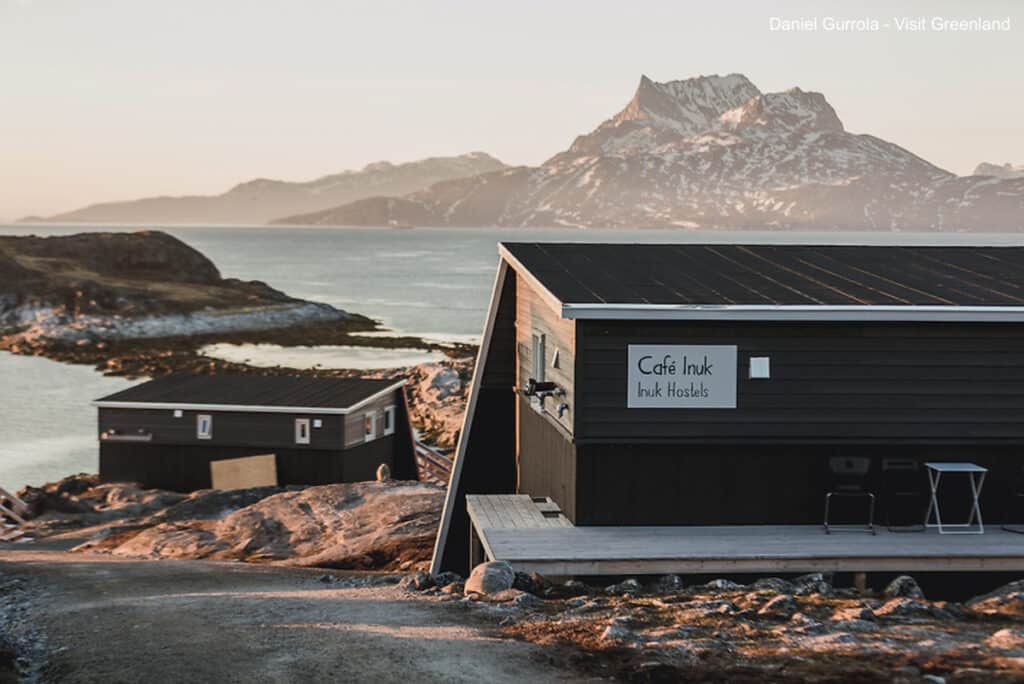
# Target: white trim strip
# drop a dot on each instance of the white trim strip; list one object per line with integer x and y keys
{"x": 242, "y": 408}
{"x": 815, "y": 312}
{"x": 467, "y": 420}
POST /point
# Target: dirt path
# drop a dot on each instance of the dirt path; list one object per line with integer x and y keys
{"x": 110, "y": 620}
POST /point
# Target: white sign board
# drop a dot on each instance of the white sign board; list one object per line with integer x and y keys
{"x": 681, "y": 376}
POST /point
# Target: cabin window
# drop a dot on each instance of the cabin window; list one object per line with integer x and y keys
{"x": 389, "y": 420}
{"x": 369, "y": 427}
{"x": 204, "y": 426}
{"x": 537, "y": 357}
{"x": 302, "y": 430}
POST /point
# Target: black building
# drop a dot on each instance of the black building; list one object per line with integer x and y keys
{"x": 710, "y": 384}
{"x": 166, "y": 432}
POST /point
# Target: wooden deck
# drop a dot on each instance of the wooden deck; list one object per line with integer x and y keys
{"x": 514, "y": 528}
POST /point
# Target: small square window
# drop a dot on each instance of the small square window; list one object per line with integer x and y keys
{"x": 204, "y": 426}
{"x": 178, "y": 413}
{"x": 369, "y": 427}
{"x": 302, "y": 430}
{"x": 538, "y": 353}
{"x": 389, "y": 420}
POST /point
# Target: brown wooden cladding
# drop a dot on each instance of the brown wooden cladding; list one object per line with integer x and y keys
{"x": 829, "y": 382}
{"x": 546, "y": 459}
{"x": 355, "y": 422}
{"x": 535, "y": 316}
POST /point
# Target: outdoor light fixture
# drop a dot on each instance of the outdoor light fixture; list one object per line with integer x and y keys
{"x": 534, "y": 388}
{"x": 760, "y": 368}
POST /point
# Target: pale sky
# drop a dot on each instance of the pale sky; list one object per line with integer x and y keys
{"x": 116, "y": 99}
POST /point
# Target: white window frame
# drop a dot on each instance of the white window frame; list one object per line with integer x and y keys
{"x": 369, "y": 427}
{"x": 206, "y": 418}
{"x": 537, "y": 352}
{"x": 302, "y": 431}
{"x": 389, "y": 420}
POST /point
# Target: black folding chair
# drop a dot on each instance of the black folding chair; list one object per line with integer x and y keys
{"x": 848, "y": 477}
{"x": 904, "y": 495}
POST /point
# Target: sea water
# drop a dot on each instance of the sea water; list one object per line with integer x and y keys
{"x": 429, "y": 282}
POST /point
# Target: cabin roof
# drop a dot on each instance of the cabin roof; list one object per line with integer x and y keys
{"x": 774, "y": 281}
{"x": 251, "y": 393}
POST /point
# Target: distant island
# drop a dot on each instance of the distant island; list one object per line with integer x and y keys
{"x": 146, "y": 303}
{"x": 261, "y": 200}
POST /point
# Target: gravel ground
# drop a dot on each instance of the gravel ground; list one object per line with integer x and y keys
{"x": 100, "y": 619}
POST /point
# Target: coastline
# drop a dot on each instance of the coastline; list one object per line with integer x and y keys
{"x": 436, "y": 390}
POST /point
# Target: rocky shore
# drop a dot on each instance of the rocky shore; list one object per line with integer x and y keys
{"x": 646, "y": 629}
{"x": 352, "y": 526}
{"x": 797, "y": 629}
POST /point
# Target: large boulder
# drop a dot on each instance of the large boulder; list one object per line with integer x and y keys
{"x": 490, "y": 578}
{"x": 904, "y": 586}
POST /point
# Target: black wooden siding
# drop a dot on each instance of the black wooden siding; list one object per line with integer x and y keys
{"x": 238, "y": 428}
{"x": 490, "y": 463}
{"x": 831, "y": 382}
{"x": 187, "y": 467}
{"x": 705, "y": 484}
{"x": 175, "y": 458}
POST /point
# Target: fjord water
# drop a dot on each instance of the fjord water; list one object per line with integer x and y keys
{"x": 432, "y": 282}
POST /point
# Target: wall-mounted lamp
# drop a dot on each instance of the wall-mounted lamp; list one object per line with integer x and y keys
{"x": 760, "y": 368}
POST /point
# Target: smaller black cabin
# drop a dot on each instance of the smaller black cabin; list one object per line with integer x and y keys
{"x": 165, "y": 433}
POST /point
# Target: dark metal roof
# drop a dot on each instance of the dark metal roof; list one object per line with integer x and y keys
{"x": 775, "y": 275}
{"x": 252, "y": 391}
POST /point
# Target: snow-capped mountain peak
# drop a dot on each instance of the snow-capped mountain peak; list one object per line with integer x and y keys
{"x": 792, "y": 110}
{"x": 709, "y": 152}
{"x": 687, "y": 107}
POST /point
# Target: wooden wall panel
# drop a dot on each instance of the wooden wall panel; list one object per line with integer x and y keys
{"x": 830, "y": 382}
{"x": 267, "y": 430}
{"x": 354, "y": 422}
{"x": 546, "y": 460}
{"x": 535, "y": 315}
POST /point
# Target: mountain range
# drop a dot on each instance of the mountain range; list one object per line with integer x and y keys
{"x": 704, "y": 152}
{"x": 1000, "y": 170}
{"x": 712, "y": 152}
{"x": 261, "y": 200}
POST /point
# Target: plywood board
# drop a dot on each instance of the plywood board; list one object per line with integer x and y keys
{"x": 241, "y": 473}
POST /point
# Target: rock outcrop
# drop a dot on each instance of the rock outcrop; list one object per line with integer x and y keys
{"x": 95, "y": 287}
{"x": 360, "y": 525}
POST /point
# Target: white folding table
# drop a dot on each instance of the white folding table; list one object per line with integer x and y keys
{"x": 976, "y": 475}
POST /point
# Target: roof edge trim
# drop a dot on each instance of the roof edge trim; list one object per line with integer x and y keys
{"x": 247, "y": 408}
{"x": 810, "y": 312}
